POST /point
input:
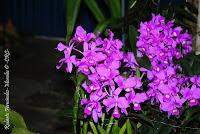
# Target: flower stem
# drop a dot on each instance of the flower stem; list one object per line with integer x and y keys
{"x": 103, "y": 119}
{"x": 81, "y": 126}
{"x": 142, "y": 75}
{"x": 138, "y": 72}
{"x": 77, "y": 50}
{"x": 109, "y": 125}
{"x": 76, "y": 108}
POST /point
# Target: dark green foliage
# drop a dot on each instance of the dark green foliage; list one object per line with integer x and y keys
{"x": 190, "y": 64}
{"x": 144, "y": 62}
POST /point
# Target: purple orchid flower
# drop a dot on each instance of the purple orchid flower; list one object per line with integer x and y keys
{"x": 136, "y": 99}
{"x": 82, "y": 36}
{"x": 129, "y": 58}
{"x": 91, "y": 87}
{"x": 106, "y": 73}
{"x": 116, "y": 102}
{"x": 92, "y": 58}
{"x": 172, "y": 106}
{"x": 196, "y": 80}
{"x": 93, "y": 106}
{"x": 192, "y": 95}
{"x": 128, "y": 84}
{"x": 69, "y": 60}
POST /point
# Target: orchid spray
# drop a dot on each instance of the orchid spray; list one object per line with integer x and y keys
{"x": 111, "y": 86}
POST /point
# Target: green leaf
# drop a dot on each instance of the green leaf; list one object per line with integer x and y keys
{"x": 129, "y": 127}
{"x": 94, "y": 8}
{"x": 93, "y": 127}
{"x": 189, "y": 115}
{"x": 145, "y": 129}
{"x": 72, "y": 9}
{"x": 101, "y": 26}
{"x": 109, "y": 22}
{"x": 109, "y": 125}
{"x": 132, "y": 37}
{"x": 101, "y": 130}
{"x": 170, "y": 13}
{"x": 192, "y": 8}
{"x": 17, "y": 120}
{"x": 115, "y": 128}
{"x": 190, "y": 64}
{"x": 14, "y": 118}
{"x": 196, "y": 65}
{"x": 142, "y": 119}
{"x": 144, "y": 62}
{"x": 85, "y": 127}
{"x": 163, "y": 129}
{"x": 80, "y": 78}
{"x": 21, "y": 131}
{"x": 134, "y": 127}
{"x": 103, "y": 119}
{"x": 123, "y": 129}
{"x": 76, "y": 108}
{"x": 186, "y": 65}
{"x": 115, "y": 8}
{"x": 186, "y": 15}
{"x": 138, "y": 72}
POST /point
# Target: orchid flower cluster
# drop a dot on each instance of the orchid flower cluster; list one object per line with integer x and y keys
{"x": 111, "y": 88}
{"x": 162, "y": 43}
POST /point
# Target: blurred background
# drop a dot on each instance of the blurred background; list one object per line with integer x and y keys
{"x": 31, "y": 29}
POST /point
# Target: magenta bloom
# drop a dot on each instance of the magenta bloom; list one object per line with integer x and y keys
{"x": 93, "y": 106}
{"x": 81, "y": 35}
{"x": 173, "y": 106}
{"x": 192, "y": 95}
{"x": 128, "y": 84}
{"x": 69, "y": 60}
{"x": 136, "y": 99}
{"x": 116, "y": 103}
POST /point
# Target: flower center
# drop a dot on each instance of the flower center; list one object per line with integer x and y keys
{"x": 150, "y": 56}
{"x": 79, "y": 39}
{"x": 161, "y": 54}
{"x": 162, "y": 21}
{"x": 175, "y": 110}
{"x": 136, "y": 104}
{"x": 91, "y": 61}
{"x": 143, "y": 49}
{"x": 177, "y": 53}
{"x": 158, "y": 69}
{"x": 174, "y": 34}
{"x": 92, "y": 87}
{"x": 161, "y": 81}
{"x": 85, "y": 69}
{"x": 127, "y": 89}
{"x": 166, "y": 62}
{"x": 89, "y": 109}
{"x": 108, "y": 51}
{"x": 192, "y": 101}
{"x": 167, "y": 96}
{"x": 103, "y": 78}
